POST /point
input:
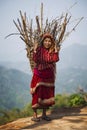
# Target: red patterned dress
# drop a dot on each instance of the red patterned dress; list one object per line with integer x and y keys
{"x": 43, "y": 80}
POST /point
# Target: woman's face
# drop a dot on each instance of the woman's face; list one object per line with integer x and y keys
{"x": 47, "y": 43}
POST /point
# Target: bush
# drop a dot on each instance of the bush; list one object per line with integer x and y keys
{"x": 11, "y": 115}
{"x": 27, "y": 111}
{"x": 61, "y": 100}
{"x": 76, "y": 100}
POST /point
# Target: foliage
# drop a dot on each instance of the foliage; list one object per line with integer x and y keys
{"x": 9, "y": 115}
{"x": 14, "y": 91}
{"x": 15, "y": 113}
{"x": 61, "y": 100}
{"x": 27, "y": 111}
{"x": 76, "y": 100}
{"x": 73, "y": 100}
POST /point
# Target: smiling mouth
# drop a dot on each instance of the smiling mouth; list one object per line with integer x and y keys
{"x": 47, "y": 47}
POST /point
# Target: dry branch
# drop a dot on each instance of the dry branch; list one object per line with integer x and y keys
{"x": 57, "y": 27}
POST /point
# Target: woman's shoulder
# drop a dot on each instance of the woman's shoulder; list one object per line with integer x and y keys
{"x": 39, "y": 48}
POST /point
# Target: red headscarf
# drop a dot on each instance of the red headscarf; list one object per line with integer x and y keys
{"x": 48, "y": 35}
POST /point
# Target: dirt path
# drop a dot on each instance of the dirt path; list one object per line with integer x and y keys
{"x": 62, "y": 119}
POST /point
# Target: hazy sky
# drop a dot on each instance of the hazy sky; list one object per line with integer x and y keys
{"x": 13, "y": 48}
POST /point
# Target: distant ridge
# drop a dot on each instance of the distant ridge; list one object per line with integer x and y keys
{"x": 15, "y": 78}
{"x": 14, "y": 88}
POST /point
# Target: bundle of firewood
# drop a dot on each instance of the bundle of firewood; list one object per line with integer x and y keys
{"x": 56, "y": 27}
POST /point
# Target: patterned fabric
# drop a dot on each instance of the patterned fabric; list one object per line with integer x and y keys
{"x": 44, "y": 59}
{"x": 43, "y": 80}
{"x": 42, "y": 92}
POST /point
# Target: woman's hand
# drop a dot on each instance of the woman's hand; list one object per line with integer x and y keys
{"x": 57, "y": 48}
{"x": 35, "y": 46}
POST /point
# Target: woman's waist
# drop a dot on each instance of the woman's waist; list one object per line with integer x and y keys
{"x": 45, "y": 73}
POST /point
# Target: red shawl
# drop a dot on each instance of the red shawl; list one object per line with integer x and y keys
{"x": 44, "y": 59}
{"x": 42, "y": 84}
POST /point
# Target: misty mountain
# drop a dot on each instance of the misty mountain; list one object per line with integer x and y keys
{"x": 14, "y": 85}
{"x": 14, "y": 88}
{"x": 20, "y": 65}
{"x": 71, "y": 80}
{"x": 73, "y": 56}
{"x": 71, "y": 76}
{"x": 72, "y": 69}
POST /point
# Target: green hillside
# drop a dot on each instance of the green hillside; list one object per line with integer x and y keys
{"x": 71, "y": 80}
{"x": 14, "y": 88}
{"x": 14, "y": 85}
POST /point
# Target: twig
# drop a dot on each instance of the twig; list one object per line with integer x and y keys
{"x": 12, "y": 34}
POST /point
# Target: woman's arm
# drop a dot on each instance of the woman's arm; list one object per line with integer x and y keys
{"x": 41, "y": 56}
{"x": 53, "y": 56}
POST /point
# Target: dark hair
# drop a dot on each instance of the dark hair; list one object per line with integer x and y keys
{"x": 47, "y": 35}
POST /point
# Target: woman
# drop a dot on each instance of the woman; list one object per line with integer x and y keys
{"x": 42, "y": 85}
